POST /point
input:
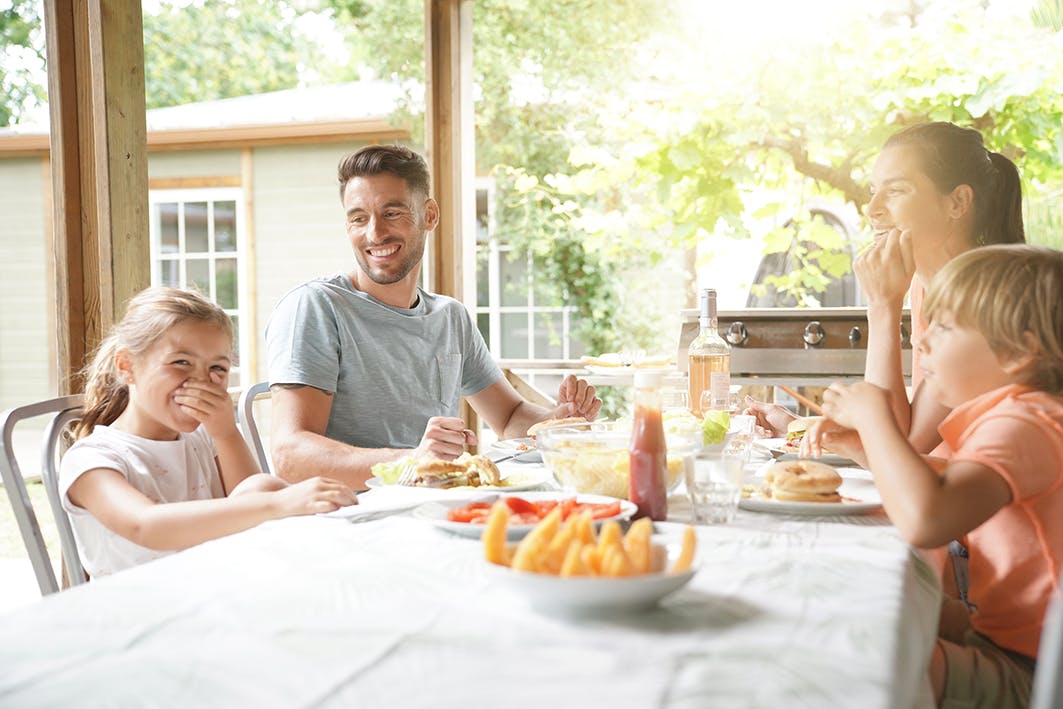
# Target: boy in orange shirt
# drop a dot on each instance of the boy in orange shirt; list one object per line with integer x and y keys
{"x": 994, "y": 354}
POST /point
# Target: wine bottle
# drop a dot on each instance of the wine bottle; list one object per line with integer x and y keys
{"x": 709, "y": 358}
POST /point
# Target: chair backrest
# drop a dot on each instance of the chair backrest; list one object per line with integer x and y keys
{"x": 1048, "y": 678}
{"x": 29, "y": 528}
{"x": 51, "y": 450}
{"x": 246, "y": 413}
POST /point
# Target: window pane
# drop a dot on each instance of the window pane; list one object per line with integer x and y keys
{"x": 167, "y": 227}
{"x": 225, "y": 226}
{"x": 225, "y": 283}
{"x": 483, "y": 280}
{"x": 514, "y": 281}
{"x": 196, "y": 227}
{"x": 548, "y": 335}
{"x": 482, "y": 218}
{"x": 547, "y": 294}
{"x": 483, "y": 323}
{"x": 576, "y": 348}
{"x": 515, "y": 335}
{"x": 197, "y": 273}
{"x": 170, "y": 274}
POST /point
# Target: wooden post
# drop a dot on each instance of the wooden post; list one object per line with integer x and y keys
{"x": 451, "y": 153}
{"x": 99, "y": 165}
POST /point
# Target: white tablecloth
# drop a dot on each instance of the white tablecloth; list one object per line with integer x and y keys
{"x": 391, "y": 612}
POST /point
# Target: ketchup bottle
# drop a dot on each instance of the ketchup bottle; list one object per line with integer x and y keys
{"x": 648, "y": 462}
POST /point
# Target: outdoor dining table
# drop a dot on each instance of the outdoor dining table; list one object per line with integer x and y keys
{"x": 379, "y": 608}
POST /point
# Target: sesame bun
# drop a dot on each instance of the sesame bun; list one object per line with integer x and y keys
{"x": 803, "y": 481}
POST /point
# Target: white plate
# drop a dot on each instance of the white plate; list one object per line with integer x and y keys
{"x": 624, "y": 371}
{"x": 592, "y": 594}
{"x": 858, "y": 491}
{"x": 509, "y": 446}
{"x": 436, "y": 512}
{"x": 519, "y": 477}
{"x": 775, "y": 447}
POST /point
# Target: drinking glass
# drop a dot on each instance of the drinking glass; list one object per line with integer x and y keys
{"x": 674, "y": 400}
{"x": 714, "y": 482}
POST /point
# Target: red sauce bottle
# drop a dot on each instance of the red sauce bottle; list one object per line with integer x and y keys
{"x": 648, "y": 451}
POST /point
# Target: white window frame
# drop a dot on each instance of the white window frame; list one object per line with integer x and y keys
{"x": 209, "y": 195}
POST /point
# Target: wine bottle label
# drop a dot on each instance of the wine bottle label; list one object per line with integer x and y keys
{"x": 720, "y": 386}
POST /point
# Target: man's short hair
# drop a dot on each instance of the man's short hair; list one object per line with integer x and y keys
{"x": 377, "y": 159}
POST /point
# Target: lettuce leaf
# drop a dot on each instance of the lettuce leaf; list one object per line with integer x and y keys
{"x": 389, "y": 471}
{"x": 714, "y": 427}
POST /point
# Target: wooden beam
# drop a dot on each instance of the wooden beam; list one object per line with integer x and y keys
{"x": 451, "y": 150}
{"x": 99, "y": 169}
{"x": 190, "y": 183}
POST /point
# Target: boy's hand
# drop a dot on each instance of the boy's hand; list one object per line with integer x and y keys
{"x": 827, "y": 436}
{"x": 208, "y": 403}
{"x": 855, "y": 405}
{"x": 314, "y": 496}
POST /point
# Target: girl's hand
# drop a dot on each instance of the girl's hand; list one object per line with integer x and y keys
{"x": 856, "y": 405}
{"x": 208, "y": 403}
{"x": 772, "y": 419}
{"x": 885, "y": 268}
{"x": 314, "y": 496}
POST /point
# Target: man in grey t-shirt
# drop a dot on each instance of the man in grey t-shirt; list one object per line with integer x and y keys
{"x": 365, "y": 366}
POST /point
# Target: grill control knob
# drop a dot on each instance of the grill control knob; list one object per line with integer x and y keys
{"x": 814, "y": 334}
{"x": 855, "y": 336}
{"x": 736, "y": 334}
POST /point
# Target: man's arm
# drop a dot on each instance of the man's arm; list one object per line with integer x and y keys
{"x": 509, "y": 414}
{"x": 300, "y": 449}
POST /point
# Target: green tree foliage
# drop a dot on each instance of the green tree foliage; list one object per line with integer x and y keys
{"x": 224, "y": 48}
{"x": 21, "y": 60}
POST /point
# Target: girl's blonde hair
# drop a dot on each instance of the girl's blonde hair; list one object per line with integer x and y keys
{"x": 148, "y": 316}
{"x": 1004, "y": 292}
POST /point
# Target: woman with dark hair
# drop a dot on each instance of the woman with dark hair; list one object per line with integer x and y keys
{"x": 936, "y": 193}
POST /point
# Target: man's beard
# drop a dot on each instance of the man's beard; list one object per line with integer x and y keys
{"x": 383, "y": 278}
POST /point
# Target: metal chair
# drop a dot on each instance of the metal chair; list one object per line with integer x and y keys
{"x": 246, "y": 413}
{"x": 65, "y": 409}
{"x": 1048, "y": 677}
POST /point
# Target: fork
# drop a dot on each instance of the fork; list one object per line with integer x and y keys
{"x": 408, "y": 474}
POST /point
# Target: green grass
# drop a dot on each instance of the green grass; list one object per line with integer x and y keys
{"x": 11, "y": 546}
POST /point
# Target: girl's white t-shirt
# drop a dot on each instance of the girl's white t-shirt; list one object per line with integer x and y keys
{"x": 164, "y": 471}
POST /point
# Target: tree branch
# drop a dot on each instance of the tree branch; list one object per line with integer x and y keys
{"x": 840, "y": 178}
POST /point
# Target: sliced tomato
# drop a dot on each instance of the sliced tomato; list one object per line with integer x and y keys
{"x": 599, "y": 510}
{"x": 545, "y": 506}
{"x": 469, "y": 512}
{"x": 518, "y": 505}
{"x": 525, "y": 518}
{"x": 567, "y": 506}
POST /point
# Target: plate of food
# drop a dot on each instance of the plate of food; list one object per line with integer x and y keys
{"x": 464, "y": 473}
{"x": 468, "y": 517}
{"x": 788, "y": 449}
{"x": 523, "y": 450}
{"x": 808, "y": 487}
{"x": 622, "y": 364}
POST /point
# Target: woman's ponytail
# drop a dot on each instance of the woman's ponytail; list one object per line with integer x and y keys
{"x": 1003, "y": 224}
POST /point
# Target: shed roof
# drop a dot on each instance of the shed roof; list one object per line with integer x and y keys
{"x": 334, "y": 112}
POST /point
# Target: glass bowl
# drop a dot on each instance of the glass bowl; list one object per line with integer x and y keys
{"x": 592, "y": 457}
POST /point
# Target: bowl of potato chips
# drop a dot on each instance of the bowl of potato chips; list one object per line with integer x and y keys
{"x": 569, "y": 567}
{"x": 593, "y": 457}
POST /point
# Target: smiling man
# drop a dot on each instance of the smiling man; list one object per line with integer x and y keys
{"x": 365, "y": 365}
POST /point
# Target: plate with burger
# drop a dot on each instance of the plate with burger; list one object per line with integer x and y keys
{"x": 463, "y": 473}
{"x": 808, "y": 487}
{"x": 789, "y": 447}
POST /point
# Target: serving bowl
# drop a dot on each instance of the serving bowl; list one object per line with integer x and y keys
{"x": 593, "y": 457}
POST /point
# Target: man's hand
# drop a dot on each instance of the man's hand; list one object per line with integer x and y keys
{"x": 576, "y": 397}
{"x": 445, "y": 438}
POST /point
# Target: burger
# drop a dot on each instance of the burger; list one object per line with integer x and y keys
{"x": 803, "y": 481}
{"x": 795, "y": 431}
{"x": 464, "y": 471}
